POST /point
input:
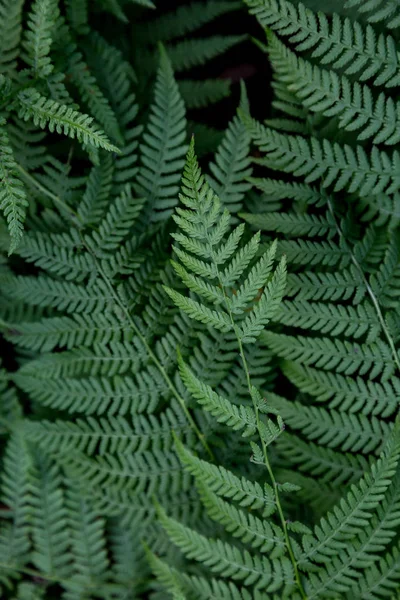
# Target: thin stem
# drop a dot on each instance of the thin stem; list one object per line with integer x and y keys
{"x": 258, "y": 424}
{"x": 75, "y": 218}
{"x": 370, "y": 291}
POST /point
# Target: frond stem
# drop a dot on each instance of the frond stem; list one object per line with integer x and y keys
{"x": 258, "y": 423}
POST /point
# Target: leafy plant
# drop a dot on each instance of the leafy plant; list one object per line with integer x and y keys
{"x": 200, "y": 381}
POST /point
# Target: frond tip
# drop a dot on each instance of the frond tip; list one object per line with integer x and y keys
{"x": 243, "y": 291}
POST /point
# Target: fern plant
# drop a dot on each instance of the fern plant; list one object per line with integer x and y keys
{"x": 199, "y": 391}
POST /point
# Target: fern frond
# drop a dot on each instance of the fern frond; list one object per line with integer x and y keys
{"x": 378, "y": 11}
{"x": 46, "y": 292}
{"x": 338, "y": 166}
{"x": 88, "y": 542}
{"x": 10, "y": 34}
{"x": 334, "y": 429}
{"x": 339, "y": 42}
{"x": 38, "y": 39}
{"x": 224, "y": 483}
{"x": 227, "y": 560}
{"x": 184, "y": 20}
{"x": 77, "y": 14}
{"x": 259, "y": 534}
{"x": 194, "y": 52}
{"x": 62, "y": 119}
{"x": 202, "y": 93}
{"x": 204, "y": 227}
{"x": 231, "y": 166}
{"x": 16, "y": 482}
{"x": 352, "y": 394}
{"x": 292, "y": 224}
{"x": 351, "y": 517}
{"x": 13, "y": 200}
{"x": 50, "y": 530}
{"x": 332, "y": 319}
{"x": 328, "y": 354}
{"x": 326, "y": 92}
{"x": 163, "y": 145}
{"x": 109, "y": 434}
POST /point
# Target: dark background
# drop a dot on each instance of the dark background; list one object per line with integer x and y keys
{"x": 243, "y": 61}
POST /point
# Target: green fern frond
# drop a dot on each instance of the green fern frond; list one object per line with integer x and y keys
{"x": 339, "y": 42}
{"x": 10, "y": 34}
{"x": 227, "y": 560}
{"x": 351, "y": 517}
{"x": 108, "y": 434}
{"x": 13, "y": 200}
{"x": 378, "y": 11}
{"x": 16, "y": 488}
{"x": 333, "y": 354}
{"x": 231, "y": 166}
{"x": 346, "y": 393}
{"x": 326, "y": 92}
{"x": 260, "y": 535}
{"x": 62, "y": 119}
{"x": 77, "y": 14}
{"x": 163, "y": 149}
{"x": 49, "y": 519}
{"x": 186, "y": 54}
{"x": 224, "y": 483}
{"x": 204, "y": 227}
{"x": 338, "y": 166}
{"x": 332, "y": 319}
{"x": 184, "y": 20}
{"x": 199, "y": 94}
{"x": 38, "y": 39}
{"x": 334, "y": 429}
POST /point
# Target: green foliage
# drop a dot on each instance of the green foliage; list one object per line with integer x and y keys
{"x": 200, "y": 385}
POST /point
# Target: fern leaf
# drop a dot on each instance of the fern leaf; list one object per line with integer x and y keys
{"x": 49, "y": 520}
{"x": 228, "y": 485}
{"x": 163, "y": 149}
{"x": 337, "y": 166}
{"x": 331, "y": 319}
{"x": 345, "y": 357}
{"x": 349, "y": 519}
{"x": 378, "y": 11}
{"x": 227, "y": 560}
{"x": 266, "y": 307}
{"x": 88, "y": 541}
{"x": 231, "y": 166}
{"x": 346, "y": 393}
{"x": 16, "y": 482}
{"x": 10, "y": 34}
{"x": 200, "y": 94}
{"x": 62, "y": 119}
{"x": 191, "y": 53}
{"x": 349, "y": 432}
{"x": 328, "y": 93}
{"x": 185, "y": 19}
{"x": 259, "y": 534}
{"x": 38, "y": 39}
{"x": 239, "y": 418}
{"x": 343, "y": 44}
{"x": 13, "y": 200}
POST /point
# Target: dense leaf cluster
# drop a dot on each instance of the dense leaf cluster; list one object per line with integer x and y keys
{"x": 201, "y": 373}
